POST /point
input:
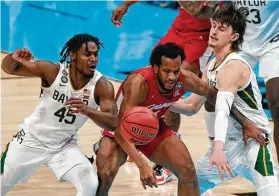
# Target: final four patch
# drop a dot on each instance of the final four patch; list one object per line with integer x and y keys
{"x": 64, "y": 79}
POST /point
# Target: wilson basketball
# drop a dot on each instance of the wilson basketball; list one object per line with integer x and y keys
{"x": 139, "y": 125}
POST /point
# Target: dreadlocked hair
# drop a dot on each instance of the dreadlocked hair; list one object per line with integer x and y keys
{"x": 236, "y": 18}
{"x": 75, "y": 43}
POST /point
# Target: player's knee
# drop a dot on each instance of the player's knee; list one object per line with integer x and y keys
{"x": 107, "y": 169}
{"x": 89, "y": 182}
{"x": 187, "y": 173}
{"x": 106, "y": 175}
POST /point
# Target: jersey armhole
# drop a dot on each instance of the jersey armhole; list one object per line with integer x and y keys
{"x": 55, "y": 82}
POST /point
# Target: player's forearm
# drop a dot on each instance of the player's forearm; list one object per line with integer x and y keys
{"x": 9, "y": 65}
{"x": 189, "y": 106}
{"x": 129, "y": 3}
{"x": 129, "y": 148}
{"x": 105, "y": 120}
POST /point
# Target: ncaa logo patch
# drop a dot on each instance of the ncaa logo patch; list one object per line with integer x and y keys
{"x": 64, "y": 72}
{"x": 64, "y": 79}
{"x": 179, "y": 85}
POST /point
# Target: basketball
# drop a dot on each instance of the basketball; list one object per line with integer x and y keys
{"x": 139, "y": 125}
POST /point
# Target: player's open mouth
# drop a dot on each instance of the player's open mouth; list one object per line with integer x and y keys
{"x": 92, "y": 68}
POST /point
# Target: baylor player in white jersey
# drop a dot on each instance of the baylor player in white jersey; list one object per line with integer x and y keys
{"x": 261, "y": 44}
{"x": 236, "y": 84}
{"x": 70, "y": 94}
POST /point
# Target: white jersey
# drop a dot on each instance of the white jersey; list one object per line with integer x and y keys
{"x": 248, "y": 98}
{"x": 262, "y": 33}
{"x": 51, "y": 123}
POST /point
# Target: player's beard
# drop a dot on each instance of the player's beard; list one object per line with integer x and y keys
{"x": 162, "y": 84}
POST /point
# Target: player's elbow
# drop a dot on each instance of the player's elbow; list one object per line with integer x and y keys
{"x": 113, "y": 124}
{"x": 6, "y": 67}
{"x": 192, "y": 110}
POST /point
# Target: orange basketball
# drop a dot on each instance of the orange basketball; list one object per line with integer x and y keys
{"x": 139, "y": 125}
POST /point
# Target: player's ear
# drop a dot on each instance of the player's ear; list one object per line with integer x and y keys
{"x": 235, "y": 36}
{"x": 156, "y": 69}
{"x": 72, "y": 56}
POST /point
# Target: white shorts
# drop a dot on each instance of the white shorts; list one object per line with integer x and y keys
{"x": 24, "y": 154}
{"x": 254, "y": 162}
{"x": 268, "y": 63}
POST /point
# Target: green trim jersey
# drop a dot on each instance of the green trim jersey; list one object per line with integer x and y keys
{"x": 248, "y": 98}
{"x": 51, "y": 122}
{"x": 262, "y": 33}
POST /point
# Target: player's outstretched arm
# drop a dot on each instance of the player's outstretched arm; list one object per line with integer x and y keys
{"x": 104, "y": 95}
{"x": 20, "y": 63}
{"x": 192, "y": 83}
{"x": 228, "y": 86}
{"x": 120, "y": 11}
{"x": 190, "y": 105}
{"x": 135, "y": 92}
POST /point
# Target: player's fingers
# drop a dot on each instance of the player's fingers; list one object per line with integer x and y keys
{"x": 148, "y": 183}
{"x": 220, "y": 172}
{"x": 261, "y": 139}
{"x": 229, "y": 169}
{"x": 20, "y": 53}
{"x": 143, "y": 185}
{"x": 115, "y": 17}
{"x": 152, "y": 181}
{"x": 210, "y": 165}
{"x": 73, "y": 101}
{"x": 225, "y": 171}
{"x": 74, "y": 106}
{"x": 245, "y": 139}
{"x": 154, "y": 176}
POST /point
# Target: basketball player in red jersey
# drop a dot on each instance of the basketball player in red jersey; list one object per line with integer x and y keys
{"x": 157, "y": 87}
{"x": 191, "y": 32}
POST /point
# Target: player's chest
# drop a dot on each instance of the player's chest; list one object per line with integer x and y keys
{"x": 63, "y": 93}
{"x": 212, "y": 79}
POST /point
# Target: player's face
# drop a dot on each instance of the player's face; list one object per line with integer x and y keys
{"x": 87, "y": 59}
{"x": 221, "y": 35}
{"x": 168, "y": 72}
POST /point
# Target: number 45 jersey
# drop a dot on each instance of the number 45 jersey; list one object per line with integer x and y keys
{"x": 262, "y": 33}
{"x": 51, "y": 122}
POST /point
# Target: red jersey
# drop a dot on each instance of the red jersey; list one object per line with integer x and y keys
{"x": 186, "y": 23}
{"x": 155, "y": 101}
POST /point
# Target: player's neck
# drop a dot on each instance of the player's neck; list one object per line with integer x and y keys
{"x": 77, "y": 80}
{"x": 222, "y": 53}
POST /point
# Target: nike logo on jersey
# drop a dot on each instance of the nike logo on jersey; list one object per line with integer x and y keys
{"x": 62, "y": 84}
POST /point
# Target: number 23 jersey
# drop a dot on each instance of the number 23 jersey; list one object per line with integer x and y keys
{"x": 262, "y": 32}
{"x": 51, "y": 122}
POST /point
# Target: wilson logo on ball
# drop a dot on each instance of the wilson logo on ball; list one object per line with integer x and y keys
{"x": 142, "y": 132}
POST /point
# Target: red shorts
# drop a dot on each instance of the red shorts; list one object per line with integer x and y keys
{"x": 164, "y": 132}
{"x": 193, "y": 43}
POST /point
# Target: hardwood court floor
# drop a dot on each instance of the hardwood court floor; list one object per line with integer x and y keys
{"x": 19, "y": 98}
